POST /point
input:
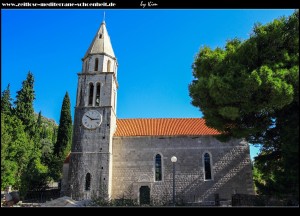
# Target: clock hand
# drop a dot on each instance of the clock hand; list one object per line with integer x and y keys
{"x": 88, "y": 117}
{"x": 92, "y": 118}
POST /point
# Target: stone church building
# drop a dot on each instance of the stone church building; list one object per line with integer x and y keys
{"x": 120, "y": 157}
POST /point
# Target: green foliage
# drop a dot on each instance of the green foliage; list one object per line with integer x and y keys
{"x": 251, "y": 89}
{"x": 6, "y": 106}
{"x": 16, "y": 150}
{"x": 26, "y": 142}
{"x": 278, "y": 164}
{"x": 39, "y": 123}
{"x": 43, "y": 166}
{"x": 64, "y": 136}
{"x": 46, "y": 151}
{"x": 24, "y": 104}
{"x": 55, "y": 167}
{"x": 36, "y": 176}
{"x": 45, "y": 128}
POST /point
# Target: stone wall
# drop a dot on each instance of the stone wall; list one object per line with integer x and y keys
{"x": 91, "y": 150}
{"x": 108, "y": 85}
{"x": 64, "y": 181}
{"x": 134, "y": 158}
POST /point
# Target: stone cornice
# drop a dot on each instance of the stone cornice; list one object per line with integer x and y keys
{"x": 102, "y": 53}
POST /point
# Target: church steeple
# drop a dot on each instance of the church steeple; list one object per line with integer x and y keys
{"x": 101, "y": 43}
{"x": 95, "y": 120}
{"x": 100, "y": 56}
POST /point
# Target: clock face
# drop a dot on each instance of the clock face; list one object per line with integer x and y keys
{"x": 91, "y": 119}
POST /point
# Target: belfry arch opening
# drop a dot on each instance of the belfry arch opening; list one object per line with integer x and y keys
{"x": 91, "y": 94}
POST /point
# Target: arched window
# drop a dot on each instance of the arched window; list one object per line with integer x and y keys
{"x": 88, "y": 181}
{"x": 96, "y": 64}
{"x": 91, "y": 92}
{"x": 97, "y": 102}
{"x": 108, "y": 66}
{"x": 207, "y": 167}
{"x": 158, "y": 168}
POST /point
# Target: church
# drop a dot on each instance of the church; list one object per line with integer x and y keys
{"x": 152, "y": 160}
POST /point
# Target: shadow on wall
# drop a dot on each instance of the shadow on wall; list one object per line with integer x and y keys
{"x": 233, "y": 164}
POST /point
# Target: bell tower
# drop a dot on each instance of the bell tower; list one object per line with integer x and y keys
{"x": 90, "y": 172}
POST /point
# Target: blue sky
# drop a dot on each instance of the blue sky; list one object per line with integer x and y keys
{"x": 155, "y": 51}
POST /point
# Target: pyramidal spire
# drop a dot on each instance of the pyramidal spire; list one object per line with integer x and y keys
{"x": 101, "y": 43}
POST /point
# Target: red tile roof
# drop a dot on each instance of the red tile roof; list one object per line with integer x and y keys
{"x": 163, "y": 127}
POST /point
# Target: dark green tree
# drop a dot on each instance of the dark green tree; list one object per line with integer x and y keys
{"x": 39, "y": 168}
{"x": 38, "y": 130}
{"x": 26, "y": 142}
{"x": 64, "y": 136}
{"x": 16, "y": 151}
{"x": 54, "y": 135}
{"x": 6, "y": 106}
{"x": 47, "y": 151}
{"x": 36, "y": 176}
{"x": 24, "y": 104}
{"x": 250, "y": 89}
{"x": 39, "y": 120}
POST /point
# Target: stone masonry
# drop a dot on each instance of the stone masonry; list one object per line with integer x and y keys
{"x": 134, "y": 158}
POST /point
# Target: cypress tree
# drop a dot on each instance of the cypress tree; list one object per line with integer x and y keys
{"x": 64, "y": 134}
{"x": 63, "y": 142}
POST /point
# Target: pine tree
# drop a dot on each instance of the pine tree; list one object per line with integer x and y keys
{"x": 6, "y": 106}
{"x": 24, "y": 104}
{"x": 250, "y": 89}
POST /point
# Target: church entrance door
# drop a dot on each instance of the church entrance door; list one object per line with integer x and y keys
{"x": 144, "y": 195}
